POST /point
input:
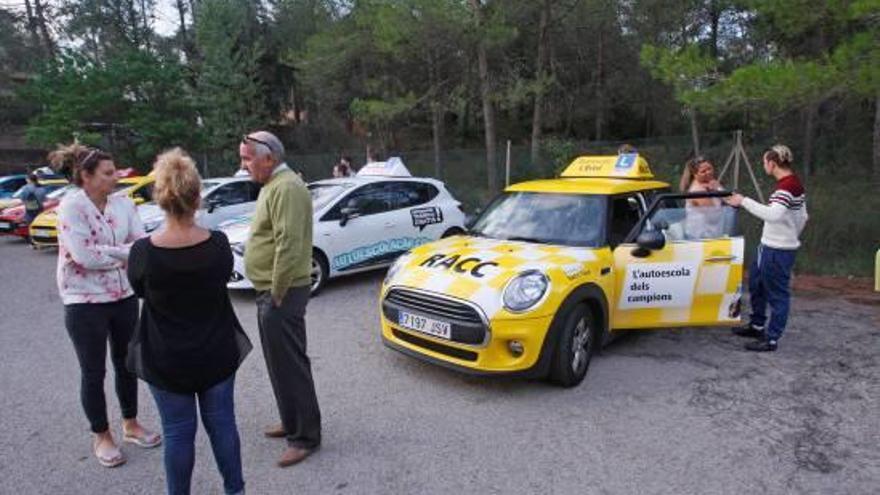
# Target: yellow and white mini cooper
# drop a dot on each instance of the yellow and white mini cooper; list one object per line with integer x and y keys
{"x": 553, "y": 268}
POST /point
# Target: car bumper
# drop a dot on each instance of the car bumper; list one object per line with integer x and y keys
{"x": 42, "y": 236}
{"x": 494, "y": 357}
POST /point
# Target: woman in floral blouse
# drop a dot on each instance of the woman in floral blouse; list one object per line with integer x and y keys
{"x": 95, "y": 231}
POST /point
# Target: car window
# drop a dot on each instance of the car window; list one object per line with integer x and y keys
{"x": 367, "y": 200}
{"x": 682, "y": 221}
{"x": 565, "y": 219}
{"x": 323, "y": 194}
{"x": 626, "y": 211}
{"x": 145, "y": 193}
{"x": 231, "y": 194}
{"x": 12, "y": 185}
{"x": 407, "y": 194}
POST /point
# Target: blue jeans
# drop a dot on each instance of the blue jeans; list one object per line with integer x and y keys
{"x": 769, "y": 278}
{"x": 179, "y": 424}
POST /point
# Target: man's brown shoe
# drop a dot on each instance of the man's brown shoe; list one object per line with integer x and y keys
{"x": 293, "y": 455}
{"x": 276, "y": 431}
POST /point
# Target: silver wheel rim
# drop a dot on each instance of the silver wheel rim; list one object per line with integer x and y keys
{"x": 580, "y": 342}
{"x": 316, "y": 274}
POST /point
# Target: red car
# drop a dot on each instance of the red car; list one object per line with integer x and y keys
{"x": 12, "y": 218}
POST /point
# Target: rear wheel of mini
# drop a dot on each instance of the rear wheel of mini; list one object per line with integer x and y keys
{"x": 575, "y": 344}
{"x": 319, "y": 272}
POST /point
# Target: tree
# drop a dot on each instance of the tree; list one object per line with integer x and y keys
{"x": 229, "y": 92}
{"x": 486, "y": 94}
{"x": 139, "y": 97}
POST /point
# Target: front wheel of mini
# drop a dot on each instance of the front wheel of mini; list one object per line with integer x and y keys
{"x": 575, "y": 345}
{"x": 319, "y": 272}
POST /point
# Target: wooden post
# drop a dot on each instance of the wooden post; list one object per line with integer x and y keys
{"x": 507, "y": 166}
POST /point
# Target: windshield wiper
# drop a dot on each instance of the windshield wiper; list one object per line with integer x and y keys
{"x": 528, "y": 239}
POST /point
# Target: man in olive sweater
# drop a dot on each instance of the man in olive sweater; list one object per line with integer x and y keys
{"x": 278, "y": 259}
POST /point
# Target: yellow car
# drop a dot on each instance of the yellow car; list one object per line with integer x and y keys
{"x": 44, "y": 229}
{"x": 552, "y": 269}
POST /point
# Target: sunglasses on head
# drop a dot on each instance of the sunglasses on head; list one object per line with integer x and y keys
{"x": 246, "y": 138}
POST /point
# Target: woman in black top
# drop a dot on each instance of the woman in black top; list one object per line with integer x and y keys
{"x": 189, "y": 343}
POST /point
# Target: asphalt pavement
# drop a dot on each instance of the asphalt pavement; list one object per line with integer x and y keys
{"x": 665, "y": 411}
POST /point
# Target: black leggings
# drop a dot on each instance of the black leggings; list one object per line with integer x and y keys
{"x": 89, "y": 326}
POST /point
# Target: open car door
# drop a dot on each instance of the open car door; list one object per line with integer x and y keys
{"x": 681, "y": 265}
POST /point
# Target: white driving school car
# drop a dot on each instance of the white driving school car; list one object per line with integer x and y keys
{"x": 365, "y": 221}
{"x": 223, "y": 198}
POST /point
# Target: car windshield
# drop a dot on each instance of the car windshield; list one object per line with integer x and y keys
{"x": 565, "y": 219}
{"x": 323, "y": 194}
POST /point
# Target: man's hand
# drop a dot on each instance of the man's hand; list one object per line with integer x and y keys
{"x": 734, "y": 200}
{"x": 276, "y": 301}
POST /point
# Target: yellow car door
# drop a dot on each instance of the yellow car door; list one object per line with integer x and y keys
{"x": 681, "y": 265}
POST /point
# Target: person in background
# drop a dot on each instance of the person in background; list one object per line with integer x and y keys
{"x": 278, "y": 260}
{"x": 626, "y": 149}
{"x": 343, "y": 167}
{"x": 33, "y": 195}
{"x": 189, "y": 343}
{"x": 95, "y": 231}
{"x": 784, "y": 218}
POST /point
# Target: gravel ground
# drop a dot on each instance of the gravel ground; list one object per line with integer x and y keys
{"x": 671, "y": 411}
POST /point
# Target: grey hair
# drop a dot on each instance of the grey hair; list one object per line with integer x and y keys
{"x": 274, "y": 148}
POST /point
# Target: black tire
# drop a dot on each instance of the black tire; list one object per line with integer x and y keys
{"x": 451, "y": 232}
{"x": 320, "y": 272}
{"x": 569, "y": 366}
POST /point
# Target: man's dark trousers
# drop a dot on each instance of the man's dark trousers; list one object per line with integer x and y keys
{"x": 283, "y": 337}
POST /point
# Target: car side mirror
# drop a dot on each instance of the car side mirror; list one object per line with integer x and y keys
{"x": 651, "y": 240}
{"x": 348, "y": 213}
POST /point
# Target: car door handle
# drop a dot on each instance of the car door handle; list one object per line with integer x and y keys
{"x": 720, "y": 259}
{"x": 389, "y": 225}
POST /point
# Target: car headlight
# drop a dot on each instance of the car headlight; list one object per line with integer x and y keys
{"x": 395, "y": 267}
{"x": 238, "y": 248}
{"x": 525, "y": 290}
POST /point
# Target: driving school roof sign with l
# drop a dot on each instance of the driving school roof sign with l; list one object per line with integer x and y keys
{"x": 624, "y": 166}
{"x": 394, "y": 167}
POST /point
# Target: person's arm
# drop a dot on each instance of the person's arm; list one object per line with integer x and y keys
{"x": 75, "y": 234}
{"x": 772, "y": 212}
{"x": 136, "y": 269}
{"x": 129, "y": 215}
{"x": 286, "y": 215}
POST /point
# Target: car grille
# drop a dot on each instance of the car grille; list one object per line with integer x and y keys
{"x": 467, "y": 325}
{"x": 436, "y": 347}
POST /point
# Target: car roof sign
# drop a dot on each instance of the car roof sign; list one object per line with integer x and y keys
{"x": 623, "y": 166}
{"x": 394, "y": 167}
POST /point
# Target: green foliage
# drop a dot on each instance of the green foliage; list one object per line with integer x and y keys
{"x": 230, "y": 96}
{"x": 137, "y": 99}
{"x": 687, "y": 70}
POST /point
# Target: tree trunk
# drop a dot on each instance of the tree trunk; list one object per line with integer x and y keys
{"x": 600, "y": 85}
{"x": 31, "y": 23}
{"x": 695, "y": 131}
{"x": 488, "y": 108}
{"x": 714, "y": 18}
{"x": 541, "y": 77}
{"x": 809, "y": 132}
{"x": 437, "y": 132}
{"x": 877, "y": 137}
{"x": 48, "y": 45}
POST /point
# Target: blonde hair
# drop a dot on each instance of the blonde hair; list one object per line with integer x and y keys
{"x": 781, "y": 155}
{"x": 178, "y": 184}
